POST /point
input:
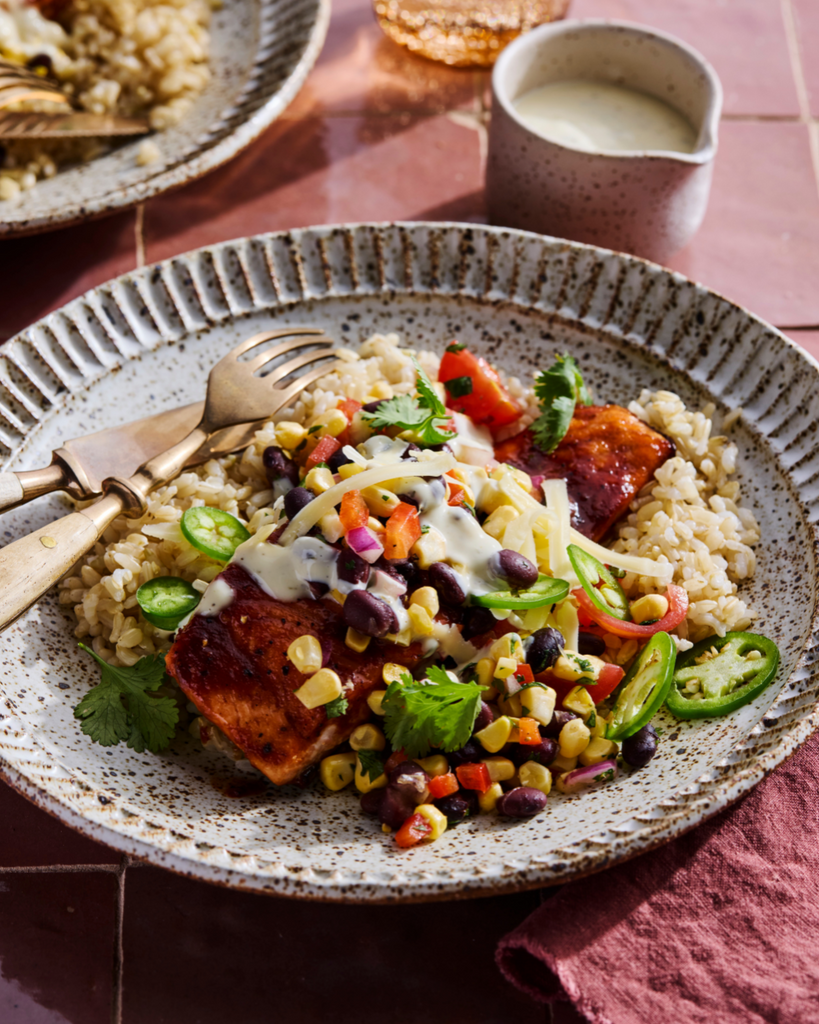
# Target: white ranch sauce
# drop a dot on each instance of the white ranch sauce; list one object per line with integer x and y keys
{"x": 595, "y": 116}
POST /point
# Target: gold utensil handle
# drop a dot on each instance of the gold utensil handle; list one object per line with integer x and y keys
{"x": 18, "y": 488}
{"x": 29, "y": 566}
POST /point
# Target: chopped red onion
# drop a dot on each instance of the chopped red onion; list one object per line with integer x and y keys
{"x": 582, "y": 778}
{"x": 364, "y": 542}
{"x": 388, "y": 586}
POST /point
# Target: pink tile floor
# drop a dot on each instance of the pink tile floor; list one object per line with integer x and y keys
{"x": 374, "y": 134}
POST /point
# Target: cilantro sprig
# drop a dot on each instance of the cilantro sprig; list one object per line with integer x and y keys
{"x": 336, "y": 708}
{"x": 436, "y": 712}
{"x": 371, "y": 764}
{"x": 425, "y": 415}
{"x": 122, "y": 706}
{"x": 559, "y": 389}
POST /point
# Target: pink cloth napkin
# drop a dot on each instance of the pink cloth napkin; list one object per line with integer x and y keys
{"x": 720, "y": 926}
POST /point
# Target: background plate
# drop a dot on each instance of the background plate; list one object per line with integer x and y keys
{"x": 516, "y": 298}
{"x": 261, "y": 52}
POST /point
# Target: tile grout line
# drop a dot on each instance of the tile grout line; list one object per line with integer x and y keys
{"x": 119, "y": 915}
{"x": 802, "y": 94}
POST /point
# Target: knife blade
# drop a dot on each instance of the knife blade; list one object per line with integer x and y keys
{"x": 81, "y": 464}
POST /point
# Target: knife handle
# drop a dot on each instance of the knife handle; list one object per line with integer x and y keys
{"x": 32, "y": 564}
{"x": 18, "y": 488}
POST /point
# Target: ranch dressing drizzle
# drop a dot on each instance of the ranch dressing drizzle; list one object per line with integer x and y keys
{"x": 218, "y": 596}
{"x": 594, "y": 116}
{"x": 467, "y": 546}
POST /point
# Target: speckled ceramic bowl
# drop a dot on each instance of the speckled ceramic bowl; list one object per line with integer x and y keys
{"x": 145, "y": 342}
{"x": 261, "y": 52}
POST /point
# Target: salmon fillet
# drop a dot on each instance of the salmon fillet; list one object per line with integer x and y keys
{"x": 235, "y": 669}
{"x": 606, "y": 457}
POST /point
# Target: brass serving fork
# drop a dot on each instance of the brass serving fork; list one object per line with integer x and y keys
{"x": 18, "y": 83}
{"x": 237, "y": 393}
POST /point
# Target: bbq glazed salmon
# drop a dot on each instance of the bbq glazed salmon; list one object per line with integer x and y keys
{"x": 606, "y": 457}
{"x": 235, "y": 669}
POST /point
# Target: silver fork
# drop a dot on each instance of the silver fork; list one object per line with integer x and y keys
{"x": 237, "y": 393}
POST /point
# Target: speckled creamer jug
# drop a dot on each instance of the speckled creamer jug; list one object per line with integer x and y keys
{"x": 645, "y": 202}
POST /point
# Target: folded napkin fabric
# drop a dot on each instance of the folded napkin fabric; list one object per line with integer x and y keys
{"x": 720, "y": 926}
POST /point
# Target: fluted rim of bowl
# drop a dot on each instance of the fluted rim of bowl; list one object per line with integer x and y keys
{"x": 708, "y": 130}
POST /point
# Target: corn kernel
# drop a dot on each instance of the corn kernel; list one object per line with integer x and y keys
{"x": 485, "y": 671}
{"x": 333, "y": 423}
{"x": 381, "y": 390}
{"x": 367, "y": 737}
{"x": 338, "y": 596}
{"x": 337, "y": 771}
{"x": 574, "y": 738}
{"x": 420, "y": 620}
{"x": 350, "y": 469}
{"x": 598, "y": 750}
{"x": 501, "y": 769}
{"x": 535, "y": 775}
{"x": 374, "y": 702}
{"x": 403, "y": 639}
{"x": 521, "y": 478}
{"x": 386, "y": 828}
{"x": 375, "y": 525}
{"x": 331, "y": 528}
{"x": 363, "y": 782}
{"x": 505, "y": 667}
{"x": 356, "y": 641}
{"x": 289, "y": 434}
{"x": 511, "y": 706}
{"x": 652, "y": 606}
{"x": 427, "y": 597}
{"x": 538, "y": 702}
{"x": 599, "y": 726}
{"x": 392, "y": 672}
{"x": 563, "y": 764}
{"x": 507, "y": 646}
{"x": 430, "y": 547}
{"x": 496, "y": 735}
{"x": 436, "y": 819}
{"x": 320, "y": 689}
{"x": 435, "y": 764}
{"x": 492, "y": 497}
{"x": 572, "y": 666}
{"x": 488, "y": 801}
{"x": 380, "y": 501}
{"x": 306, "y": 654}
{"x": 495, "y": 524}
{"x": 579, "y": 701}
{"x": 319, "y": 480}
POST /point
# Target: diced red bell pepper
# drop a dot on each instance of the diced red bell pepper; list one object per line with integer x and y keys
{"x": 326, "y": 447}
{"x": 349, "y": 406}
{"x": 402, "y": 530}
{"x": 413, "y": 831}
{"x": 353, "y": 512}
{"x": 528, "y": 732}
{"x": 488, "y": 403}
{"x": 457, "y": 493}
{"x": 474, "y": 776}
{"x": 442, "y": 785}
{"x": 677, "y": 598}
{"x": 522, "y": 676}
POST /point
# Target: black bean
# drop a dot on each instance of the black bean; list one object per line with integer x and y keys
{"x": 295, "y": 501}
{"x": 477, "y": 622}
{"x": 373, "y": 406}
{"x": 371, "y": 802}
{"x": 486, "y": 716}
{"x": 445, "y": 580}
{"x": 522, "y": 802}
{"x": 277, "y": 466}
{"x": 403, "y": 567}
{"x": 351, "y": 567}
{"x": 338, "y": 459}
{"x": 544, "y": 649}
{"x": 559, "y": 719}
{"x": 369, "y": 614}
{"x": 396, "y": 806}
{"x": 456, "y": 807}
{"x": 544, "y": 752}
{"x": 590, "y": 643}
{"x": 410, "y": 779}
{"x": 410, "y": 450}
{"x": 639, "y": 749}
{"x": 514, "y": 568}
{"x": 470, "y": 753}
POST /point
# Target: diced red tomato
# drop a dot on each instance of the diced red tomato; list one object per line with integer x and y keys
{"x": 528, "y": 732}
{"x": 326, "y": 447}
{"x": 402, "y": 530}
{"x": 474, "y": 776}
{"x": 349, "y": 406}
{"x": 488, "y": 403}
{"x": 607, "y": 683}
{"x": 353, "y": 512}
{"x": 414, "y": 829}
{"x": 442, "y": 785}
{"x": 522, "y": 676}
{"x": 677, "y": 598}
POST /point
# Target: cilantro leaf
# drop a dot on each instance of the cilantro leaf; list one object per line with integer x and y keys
{"x": 402, "y": 411}
{"x": 427, "y": 395}
{"x": 425, "y": 415}
{"x": 458, "y": 387}
{"x": 437, "y": 713}
{"x": 559, "y": 389}
{"x": 119, "y": 707}
{"x": 371, "y": 764}
{"x": 336, "y": 708}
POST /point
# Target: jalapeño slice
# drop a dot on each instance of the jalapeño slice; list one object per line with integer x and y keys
{"x": 215, "y": 533}
{"x": 546, "y": 591}
{"x": 166, "y": 600}
{"x": 644, "y": 688}
{"x": 600, "y": 584}
{"x": 740, "y": 670}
